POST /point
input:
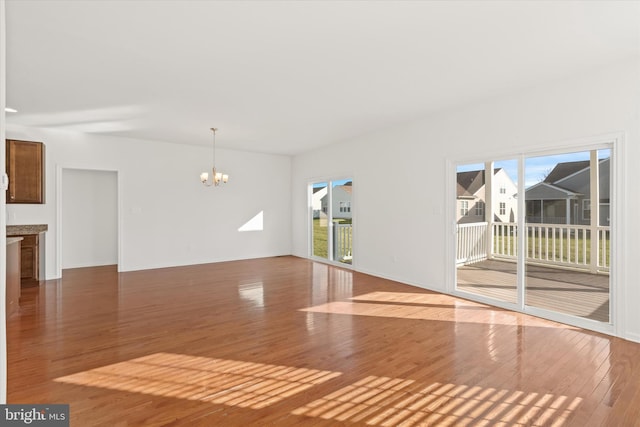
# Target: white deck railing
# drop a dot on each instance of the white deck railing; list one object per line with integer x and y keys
{"x": 342, "y": 242}
{"x": 555, "y": 244}
{"x": 473, "y": 242}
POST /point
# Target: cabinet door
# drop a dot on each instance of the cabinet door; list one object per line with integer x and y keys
{"x": 25, "y": 160}
{"x": 29, "y": 257}
{"x": 26, "y": 263}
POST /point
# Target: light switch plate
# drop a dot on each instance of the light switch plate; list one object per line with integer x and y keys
{"x": 4, "y": 182}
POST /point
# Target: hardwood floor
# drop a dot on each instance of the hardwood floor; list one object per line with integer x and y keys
{"x": 286, "y": 341}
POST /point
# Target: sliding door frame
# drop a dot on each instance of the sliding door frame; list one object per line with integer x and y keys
{"x": 614, "y": 142}
{"x": 330, "y": 183}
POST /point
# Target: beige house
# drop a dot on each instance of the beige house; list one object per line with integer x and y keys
{"x": 341, "y": 196}
{"x": 471, "y": 203}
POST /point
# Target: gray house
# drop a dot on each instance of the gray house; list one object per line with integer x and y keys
{"x": 563, "y": 196}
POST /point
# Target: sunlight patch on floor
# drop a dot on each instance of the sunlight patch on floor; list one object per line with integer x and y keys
{"x": 383, "y": 401}
{"x": 219, "y": 381}
{"x": 416, "y": 298}
{"x": 427, "y": 306}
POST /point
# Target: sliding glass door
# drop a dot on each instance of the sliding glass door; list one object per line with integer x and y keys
{"x": 486, "y": 227}
{"x": 533, "y": 233}
{"x": 319, "y": 220}
{"x": 568, "y": 233}
{"x": 331, "y": 220}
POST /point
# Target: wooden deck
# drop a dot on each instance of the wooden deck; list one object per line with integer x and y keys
{"x": 564, "y": 291}
{"x": 288, "y": 342}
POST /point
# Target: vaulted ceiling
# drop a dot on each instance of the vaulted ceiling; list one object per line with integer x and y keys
{"x": 290, "y": 76}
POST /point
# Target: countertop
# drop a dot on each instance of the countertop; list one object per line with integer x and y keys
{"x": 20, "y": 230}
{"x": 11, "y": 240}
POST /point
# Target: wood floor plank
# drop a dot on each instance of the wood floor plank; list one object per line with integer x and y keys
{"x": 286, "y": 341}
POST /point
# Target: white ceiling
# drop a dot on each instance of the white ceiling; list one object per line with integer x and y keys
{"x": 289, "y": 76}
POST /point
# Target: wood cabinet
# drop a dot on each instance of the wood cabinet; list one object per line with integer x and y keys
{"x": 25, "y": 167}
{"x": 30, "y": 257}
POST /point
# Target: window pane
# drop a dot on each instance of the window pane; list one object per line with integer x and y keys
{"x": 342, "y": 194}
{"x": 486, "y": 235}
{"x": 319, "y": 220}
{"x": 567, "y": 259}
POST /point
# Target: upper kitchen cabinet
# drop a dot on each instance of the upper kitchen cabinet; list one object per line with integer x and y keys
{"x": 25, "y": 167}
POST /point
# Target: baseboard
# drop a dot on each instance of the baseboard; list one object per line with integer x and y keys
{"x": 632, "y": 337}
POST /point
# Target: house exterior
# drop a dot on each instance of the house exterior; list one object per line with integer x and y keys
{"x": 319, "y": 193}
{"x": 341, "y": 201}
{"x": 564, "y": 195}
{"x": 471, "y": 197}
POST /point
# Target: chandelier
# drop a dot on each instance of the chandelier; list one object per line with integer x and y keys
{"x": 216, "y": 177}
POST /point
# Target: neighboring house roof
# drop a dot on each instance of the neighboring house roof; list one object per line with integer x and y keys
{"x": 470, "y": 182}
{"x": 563, "y": 170}
{"x": 462, "y": 193}
{"x": 347, "y": 188}
{"x": 574, "y": 176}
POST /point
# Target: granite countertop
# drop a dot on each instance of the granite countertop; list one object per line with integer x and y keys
{"x": 19, "y": 230}
{"x": 11, "y": 240}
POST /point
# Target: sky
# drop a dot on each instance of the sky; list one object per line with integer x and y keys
{"x": 335, "y": 182}
{"x": 535, "y": 168}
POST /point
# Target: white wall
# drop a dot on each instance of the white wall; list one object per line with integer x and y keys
{"x": 167, "y": 217}
{"x": 408, "y": 245}
{"x": 89, "y": 218}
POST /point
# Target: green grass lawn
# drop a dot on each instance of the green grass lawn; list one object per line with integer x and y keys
{"x": 320, "y": 234}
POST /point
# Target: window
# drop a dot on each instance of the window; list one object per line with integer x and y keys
{"x": 480, "y": 208}
{"x": 464, "y": 208}
{"x": 503, "y": 189}
{"x": 503, "y": 208}
{"x": 586, "y": 209}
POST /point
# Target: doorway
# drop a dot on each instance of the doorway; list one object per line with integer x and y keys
{"x": 88, "y": 224}
{"x": 534, "y": 233}
{"x": 331, "y": 220}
